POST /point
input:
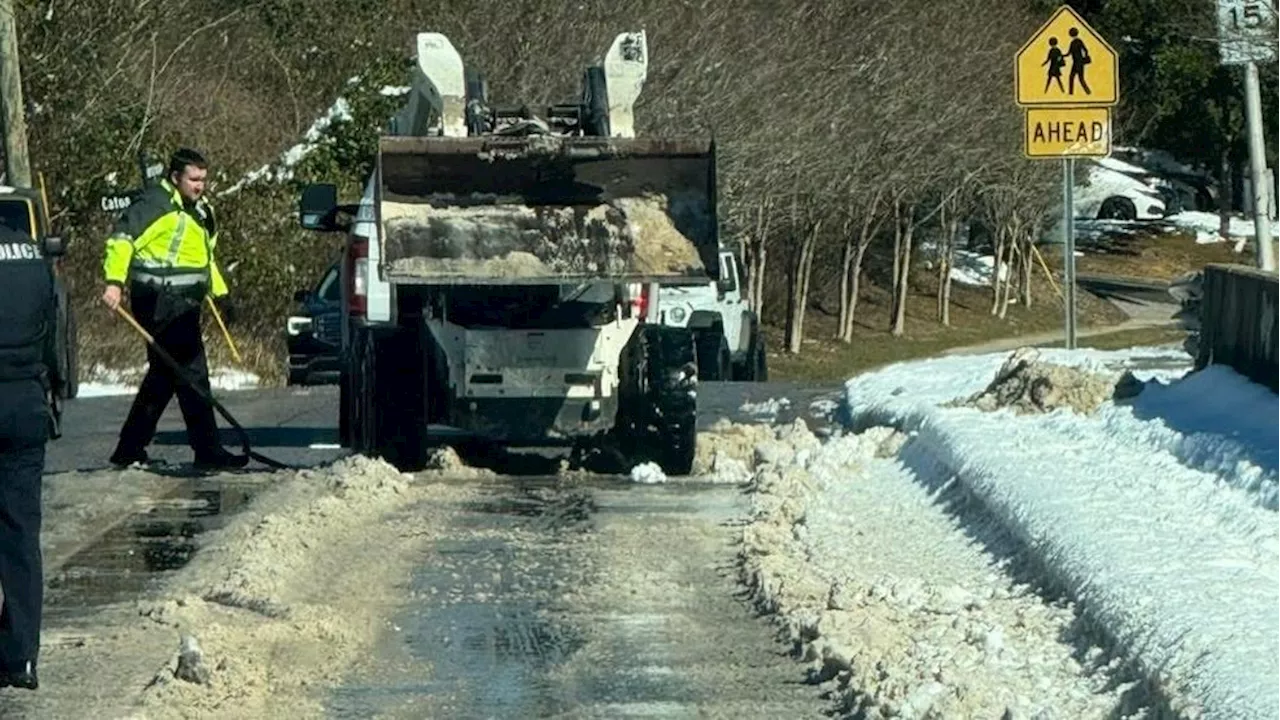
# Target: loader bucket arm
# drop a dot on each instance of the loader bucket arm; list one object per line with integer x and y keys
{"x": 546, "y": 209}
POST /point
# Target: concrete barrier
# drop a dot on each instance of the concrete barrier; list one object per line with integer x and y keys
{"x": 1238, "y": 321}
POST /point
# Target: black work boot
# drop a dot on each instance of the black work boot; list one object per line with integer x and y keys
{"x": 124, "y": 458}
{"x": 219, "y": 459}
{"x": 24, "y": 676}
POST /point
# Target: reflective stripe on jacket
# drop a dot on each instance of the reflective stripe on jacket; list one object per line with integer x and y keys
{"x": 160, "y": 240}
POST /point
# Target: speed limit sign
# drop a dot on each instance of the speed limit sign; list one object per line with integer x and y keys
{"x": 1247, "y": 31}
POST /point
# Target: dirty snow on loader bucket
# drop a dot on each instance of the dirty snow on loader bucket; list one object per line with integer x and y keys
{"x": 545, "y": 209}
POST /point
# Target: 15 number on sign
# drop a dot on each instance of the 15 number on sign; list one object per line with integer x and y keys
{"x": 1251, "y": 14}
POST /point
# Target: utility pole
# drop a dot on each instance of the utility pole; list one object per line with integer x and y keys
{"x": 17, "y": 163}
{"x": 1258, "y": 166}
{"x": 1247, "y": 36}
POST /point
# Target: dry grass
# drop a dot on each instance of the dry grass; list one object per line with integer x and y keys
{"x": 1158, "y": 256}
{"x": 826, "y": 359}
{"x": 108, "y": 341}
{"x": 1121, "y": 339}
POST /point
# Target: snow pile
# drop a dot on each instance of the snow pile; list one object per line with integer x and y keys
{"x": 970, "y": 268}
{"x": 1206, "y": 226}
{"x": 488, "y": 236}
{"x": 726, "y": 452}
{"x": 275, "y": 582}
{"x": 446, "y": 461}
{"x": 824, "y": 407}
{"x": 1026, "y": 384}
{"x": 649, "y": 473}
{"x": 105, "y": 382}
{"x": 893, "y": 605}
{"x": 1177, "y": 561}
{"x": 728, "y": 444}
{"x": 245, "y": 567}
{"x": 766, "y": 408}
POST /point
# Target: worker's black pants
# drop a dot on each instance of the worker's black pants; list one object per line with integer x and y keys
{"x": 24, "y": 426}
{"x": 175, "y": 324}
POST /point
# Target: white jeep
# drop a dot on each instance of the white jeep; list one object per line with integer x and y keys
{"x": 729, "y": 342}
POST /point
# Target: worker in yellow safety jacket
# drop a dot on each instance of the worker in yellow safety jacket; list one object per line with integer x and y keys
{"x": 162, "y": 250}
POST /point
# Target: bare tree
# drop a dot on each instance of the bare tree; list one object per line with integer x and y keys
{"x": 869, "y": 221}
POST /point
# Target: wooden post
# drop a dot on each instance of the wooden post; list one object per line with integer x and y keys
{"x": 16, "y": 161}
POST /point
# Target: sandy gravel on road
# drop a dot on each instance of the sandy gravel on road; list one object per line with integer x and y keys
{"x": 281, "y": 600}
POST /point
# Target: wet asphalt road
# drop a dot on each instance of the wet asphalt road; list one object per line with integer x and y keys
{"x": 553, "y": 599}
{"x": 681, "y": 646}
{"x": 299, "y": 426}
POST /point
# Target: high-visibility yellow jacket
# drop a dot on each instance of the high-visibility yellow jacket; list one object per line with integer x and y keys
{"x": 160, "y": 240}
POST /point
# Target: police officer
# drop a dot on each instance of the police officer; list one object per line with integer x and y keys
{"x": 163, "y": 249}
{"x": 29, "y": 386}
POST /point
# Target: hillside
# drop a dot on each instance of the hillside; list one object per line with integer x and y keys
{"x": 841, "y": 141}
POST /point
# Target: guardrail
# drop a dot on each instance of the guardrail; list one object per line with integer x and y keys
{"x": 1238, "y": 321}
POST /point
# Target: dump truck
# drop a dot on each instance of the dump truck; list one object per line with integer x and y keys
{"x": 502, "y": 270}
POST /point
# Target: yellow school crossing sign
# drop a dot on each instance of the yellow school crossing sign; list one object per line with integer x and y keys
{"x": 1066, "y": 77}
{"x": 1067, "y": 64}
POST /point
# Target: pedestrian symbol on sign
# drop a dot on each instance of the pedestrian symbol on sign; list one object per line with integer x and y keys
{"x": 1066, "y": 64}
{"x": 1079, "y": 58}
{"x": 1079, "y": 55}
{"x": 1055, "y": 63}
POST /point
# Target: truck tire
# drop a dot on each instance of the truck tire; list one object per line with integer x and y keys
{"x": 754, "y": 364}
{"x": 393, "y": 420}
{"x": 715, "y": 363}
{"x": 759, "y": 361}
{"x": 657, "y": 414}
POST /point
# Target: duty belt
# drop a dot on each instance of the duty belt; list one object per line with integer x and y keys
{"x": 181, "y": 280}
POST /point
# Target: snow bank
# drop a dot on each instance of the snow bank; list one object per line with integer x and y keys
{"x": 1206, "y": 226}
{"x": 896, "y": 606}
{"x": 107, "y": 382}
{"x": 1158, "y": 526}
{"x": 1215, "y": 420}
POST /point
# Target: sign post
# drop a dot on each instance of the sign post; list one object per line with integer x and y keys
{"x": 1067, "y": 78}
{"x": 1246, "y": 36}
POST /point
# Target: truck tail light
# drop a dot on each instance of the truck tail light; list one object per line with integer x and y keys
{"x": 640, "y": 301}
{"x": 358, "y": 278}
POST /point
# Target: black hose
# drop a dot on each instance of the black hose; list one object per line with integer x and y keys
{"x": 249, "y": 452}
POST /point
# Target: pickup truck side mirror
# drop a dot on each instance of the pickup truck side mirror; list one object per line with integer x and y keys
{"x": 318, "y": 209}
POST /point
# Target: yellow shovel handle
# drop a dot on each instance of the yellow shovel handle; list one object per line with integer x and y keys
{"x": 222, "y": 326}
{"x": 141, "y": 330}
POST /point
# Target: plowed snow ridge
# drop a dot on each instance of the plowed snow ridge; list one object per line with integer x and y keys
{"x": 1161, "y": 524}
{"x": 907, "y": 612}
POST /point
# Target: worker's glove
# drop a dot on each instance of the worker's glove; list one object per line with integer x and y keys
{"x": 54, "y": 396}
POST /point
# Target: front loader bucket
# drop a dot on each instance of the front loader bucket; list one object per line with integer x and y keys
{"x": 546, "y": 210}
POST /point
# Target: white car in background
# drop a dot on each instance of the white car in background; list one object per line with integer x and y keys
{"x": 1116, "y": 190}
